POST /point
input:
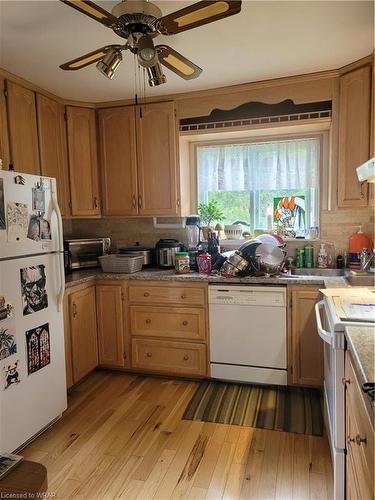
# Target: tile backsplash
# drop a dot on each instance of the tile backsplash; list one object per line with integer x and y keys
{"x": 336, "y": 227}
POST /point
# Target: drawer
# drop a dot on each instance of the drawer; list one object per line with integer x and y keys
{"x": 168, "y": 294}
{"x": 173, "y": 322}
{"x": 180, "y": 358}
{"x": 360, "y": 431}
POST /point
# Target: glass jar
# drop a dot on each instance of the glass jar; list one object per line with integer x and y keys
{"x": 182, "y": 263}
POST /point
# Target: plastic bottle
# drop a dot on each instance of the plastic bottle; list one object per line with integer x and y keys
{"x": 309, "y": 256}
{"x": 322, "y": 256}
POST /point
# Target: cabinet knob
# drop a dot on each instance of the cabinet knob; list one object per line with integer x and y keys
{"x": 183, "y": 296}
{"x": 350, "y": 440}
{"x": 146, "y": 294}
{"x": 96, "y": 202}
{"x": 359, "y": 440}
{"x": 74, "y": 309}
{"x": 140, "y": 201}
{"x": 149, "y": 354}
{"x": 185, "y": 322}
{"x": 345, "y": 381}
{"x": 134, "y": 201}
{"x": 148, "y": 321}
{"x": 186, "y": 357}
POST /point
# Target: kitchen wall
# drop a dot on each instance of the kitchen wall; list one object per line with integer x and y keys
{"x": 336, "y": 227}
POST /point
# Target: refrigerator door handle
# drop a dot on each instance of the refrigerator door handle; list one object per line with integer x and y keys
{"x": 323, "y": 334}
{"x": 56, "y": 208}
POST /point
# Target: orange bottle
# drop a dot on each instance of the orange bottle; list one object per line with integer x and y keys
{"x": 357, "y": 242}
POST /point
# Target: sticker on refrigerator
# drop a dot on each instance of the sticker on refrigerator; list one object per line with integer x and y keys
{"x": 45, "y": 229}
{"x": 19, "y": 180}
{"x": 38, "y": 348}
{"x": 39, "y": 199}
{"x": 8, "y": 344}
{"x": 17, "y": 221}
{"x": 2, "y": 206}
{"x": 33, "y": 289}
{"x": 6, "y": 308}
{"x": 11, "y": 375}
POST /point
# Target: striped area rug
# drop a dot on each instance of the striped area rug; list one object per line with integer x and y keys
{"x": 280, "y": 408}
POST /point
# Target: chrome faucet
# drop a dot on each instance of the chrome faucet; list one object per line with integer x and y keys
{"x": 365, "y": 258}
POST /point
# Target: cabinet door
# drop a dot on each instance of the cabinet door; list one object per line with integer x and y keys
{"x": 354, "y": 135}
{"x": 68, "y": 344}
{"x": 110, "y": 300}
{"x": 118, "y": 161}
{"x": 156, "y": 154}
{"x": 23, "y": 139}
{"x": 52, "y": 145}
{"x": 82, "y": 311}
{"x": 306, "y": 349}
{"x": 83, "y": 167}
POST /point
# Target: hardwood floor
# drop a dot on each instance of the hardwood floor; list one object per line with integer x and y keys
{"x": 122, "y": 437}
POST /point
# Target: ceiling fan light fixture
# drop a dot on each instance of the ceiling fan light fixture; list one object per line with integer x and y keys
{"x": 155, "y": 75}
{"x": 146, "y": 52}
{"x": 110, "y": 62}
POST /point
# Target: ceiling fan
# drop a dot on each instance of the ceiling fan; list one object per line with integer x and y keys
{"x": 139, "y": 21}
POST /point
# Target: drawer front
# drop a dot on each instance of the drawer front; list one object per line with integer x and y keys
{"x": 360, "y": 432}
{"x": 195, "y": 295}
{"x": 181, "y": 358}
{"x": 172, "y": 322}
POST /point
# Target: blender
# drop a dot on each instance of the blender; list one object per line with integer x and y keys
{"x": 193, "y": 231}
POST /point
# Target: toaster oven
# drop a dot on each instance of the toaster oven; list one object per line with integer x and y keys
{"x": 84, "y": 253}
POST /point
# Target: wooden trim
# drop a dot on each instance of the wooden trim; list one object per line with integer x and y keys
{"x": 356, "y": 64}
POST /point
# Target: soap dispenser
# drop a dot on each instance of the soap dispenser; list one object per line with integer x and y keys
{"x": 322, "y": 256}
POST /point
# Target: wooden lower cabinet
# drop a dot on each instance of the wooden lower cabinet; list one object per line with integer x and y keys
{"x": 168, "y": 327}
{"x": 360, "y": 439}
{"x": 165, "y": 356}
{"x": 80, "y": 332}
{"x": 305, "y": 347}
{"x": 172, "y": 322}
{"x": 111, "y": 317}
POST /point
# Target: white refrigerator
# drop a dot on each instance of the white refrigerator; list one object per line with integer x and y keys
{"x": 32, "y": 358}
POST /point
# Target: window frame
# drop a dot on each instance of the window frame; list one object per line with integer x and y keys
{"x": 324, "y": 178}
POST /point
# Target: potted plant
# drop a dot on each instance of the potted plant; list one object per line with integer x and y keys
{"x": 209, "y": 212}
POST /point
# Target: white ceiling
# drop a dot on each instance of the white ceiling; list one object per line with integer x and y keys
{"x": 267, "y": 39}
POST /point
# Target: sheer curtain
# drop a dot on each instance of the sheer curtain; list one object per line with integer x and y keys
{"x": 288, "y": 164}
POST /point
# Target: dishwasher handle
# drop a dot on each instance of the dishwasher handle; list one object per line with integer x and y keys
{"x": 323, "y": 334}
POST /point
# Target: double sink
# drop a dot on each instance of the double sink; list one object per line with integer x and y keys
{"x": 352, "y": 279}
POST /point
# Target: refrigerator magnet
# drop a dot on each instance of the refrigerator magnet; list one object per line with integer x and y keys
{"x": 19, "y": 180}
{"x": 38, "y": 348}
{"x": 6, "y": 308}
{"x": 33, "y": 231}
{"x": 11, "y": 375}
{"x": 8, "y": 344}
{"x": 33, "y": 289}
{"x": 17, "y": 221}
{"x": 39, "y": 199}
{"x": 2, "y": 206}
{"x": 45, "y": 230}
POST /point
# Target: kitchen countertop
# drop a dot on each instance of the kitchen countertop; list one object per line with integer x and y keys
{"x": 361, "y": 343}
{"x": 78, "y": 277}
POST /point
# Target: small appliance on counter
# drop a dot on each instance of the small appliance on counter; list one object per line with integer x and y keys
{"x": 357, "y": 242}
{"x": 148, "y": 253}
{"x": 193, "y": 231}
{"x": 84, "y": 253}
{"x": 165, "y": 251}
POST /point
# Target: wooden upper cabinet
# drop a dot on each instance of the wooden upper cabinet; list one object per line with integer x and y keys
{"x": 83, "y": 165}
{"x": 52, "y": 146}
{"x": 305, "y": 346}
{"x": 118, "y": 162}
{"x": 22, "y": 128}
{"x": 354, "y": 135}
{"x": 156, "y": 154}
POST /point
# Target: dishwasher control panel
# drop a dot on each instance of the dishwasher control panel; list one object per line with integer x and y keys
{"x": 247, "y": 295}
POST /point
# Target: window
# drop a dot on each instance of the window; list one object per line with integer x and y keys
{"x": 252, "y": 180}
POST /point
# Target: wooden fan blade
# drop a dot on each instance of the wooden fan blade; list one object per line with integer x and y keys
{"x": 177, "y": 63}
{"x": 196, "y": 15}
{"x": 94, "y": 11}
{"x": 87, "y": 59}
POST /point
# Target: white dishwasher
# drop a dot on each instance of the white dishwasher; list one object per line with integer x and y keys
{"x": 248, "y": 333}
